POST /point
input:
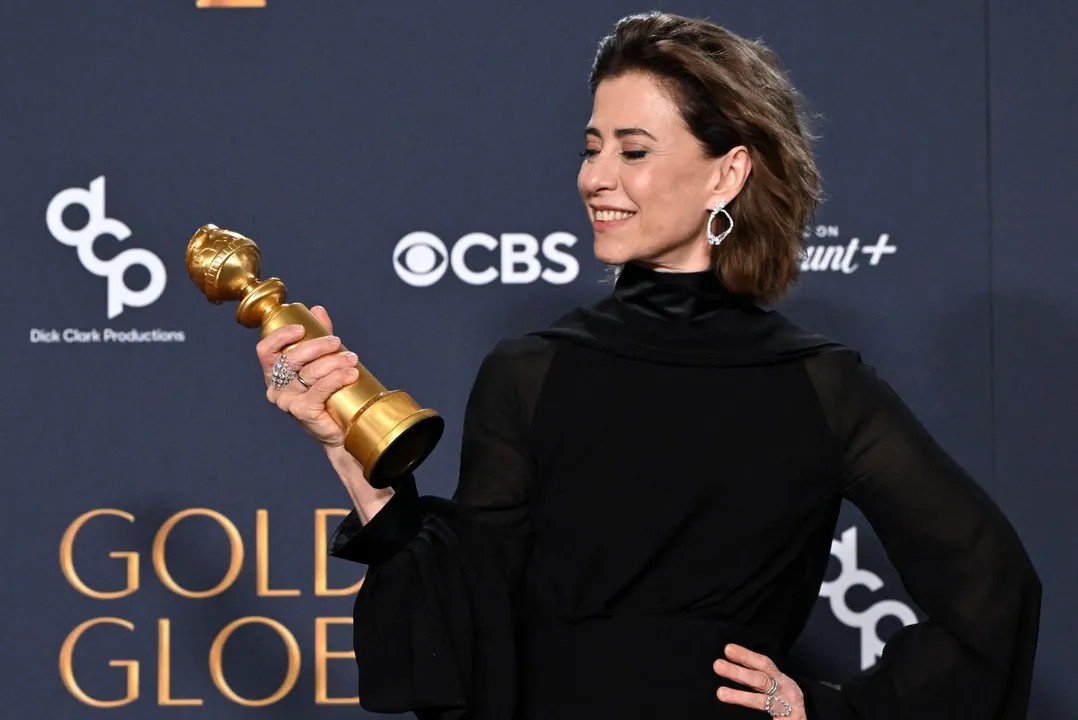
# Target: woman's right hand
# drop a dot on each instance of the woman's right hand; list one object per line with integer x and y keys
{"x": 321, "y": 365}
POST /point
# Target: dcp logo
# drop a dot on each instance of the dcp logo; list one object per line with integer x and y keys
{"x": 422, "y": 259}
{"x": 845, "y": 550}
{"x": 93, "y": 200}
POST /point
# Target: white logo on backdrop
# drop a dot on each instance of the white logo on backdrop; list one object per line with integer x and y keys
{"x": 845, "y": 257}
{"x": 845, "y": 550}
{"x": 119, "y": 294}
{"x": 422, "y": 259}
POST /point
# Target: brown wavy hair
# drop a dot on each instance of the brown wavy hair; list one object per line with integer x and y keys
{"x": 732, "y": 91}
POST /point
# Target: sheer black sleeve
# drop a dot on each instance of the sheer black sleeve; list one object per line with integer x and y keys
{"x": 958, "y": 557}
{"x": 434, "y": 620}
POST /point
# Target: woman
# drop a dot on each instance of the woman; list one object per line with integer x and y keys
{"x": 649, "y": 488}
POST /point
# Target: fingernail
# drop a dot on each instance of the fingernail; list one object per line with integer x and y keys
{"x": 352, "y": 357}
{"x": 334, "y": 338}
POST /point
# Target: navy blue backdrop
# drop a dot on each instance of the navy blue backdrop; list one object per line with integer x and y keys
{"x": 164, "y": 527}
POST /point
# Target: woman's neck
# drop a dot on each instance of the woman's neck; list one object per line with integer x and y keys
{"x": 684, "y": 297}
{"x": 695, "y": 257}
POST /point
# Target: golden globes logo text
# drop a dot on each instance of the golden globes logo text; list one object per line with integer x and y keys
{"x": 118, "y": 631}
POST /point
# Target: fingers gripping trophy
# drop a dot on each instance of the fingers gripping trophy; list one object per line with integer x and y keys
{"x": 309, "y": 373}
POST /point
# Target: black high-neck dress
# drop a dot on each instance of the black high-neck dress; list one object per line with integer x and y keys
{"x": 655, "y": 476}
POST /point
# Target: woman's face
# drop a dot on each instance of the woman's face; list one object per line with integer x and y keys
{"x": 648, "y": 187}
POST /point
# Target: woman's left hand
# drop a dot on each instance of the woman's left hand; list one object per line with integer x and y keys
{"x": 756, "y": 671}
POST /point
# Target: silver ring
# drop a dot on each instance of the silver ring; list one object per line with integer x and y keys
{"x": 303, "y": 382}
{"x": 774, "y": 686}
{"x": 283, "y": 372}
{"x": 767, "y": 707}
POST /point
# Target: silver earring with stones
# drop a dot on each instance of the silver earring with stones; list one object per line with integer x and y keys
{"x": 720, "y": 208}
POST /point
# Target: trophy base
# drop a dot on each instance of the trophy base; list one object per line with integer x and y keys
{"x": 406, "y": 448}
{"x": 403, "y": 434}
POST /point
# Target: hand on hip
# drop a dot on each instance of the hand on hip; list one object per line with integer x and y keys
{"x": 772, "y": 691}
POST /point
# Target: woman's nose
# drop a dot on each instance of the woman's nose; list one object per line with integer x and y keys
{"x": 598, "y": 173}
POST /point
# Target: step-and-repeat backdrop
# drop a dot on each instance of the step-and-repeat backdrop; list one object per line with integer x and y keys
{"x": 411, "y": 166}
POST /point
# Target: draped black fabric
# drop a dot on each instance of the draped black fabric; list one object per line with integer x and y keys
{"x": 661, "y": 474}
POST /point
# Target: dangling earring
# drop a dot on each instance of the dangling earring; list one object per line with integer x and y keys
{"x": 712, "y": 238}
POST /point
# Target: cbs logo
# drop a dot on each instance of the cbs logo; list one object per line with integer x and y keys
{"x": 422, "y": 259}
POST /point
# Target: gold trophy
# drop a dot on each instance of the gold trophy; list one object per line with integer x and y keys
{"x": 385, "y": 430}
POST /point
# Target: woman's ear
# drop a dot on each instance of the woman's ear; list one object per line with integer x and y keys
{"x": 731, "y": 172}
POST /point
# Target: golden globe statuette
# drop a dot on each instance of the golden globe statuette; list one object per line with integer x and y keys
{"x": 385, "y": 430}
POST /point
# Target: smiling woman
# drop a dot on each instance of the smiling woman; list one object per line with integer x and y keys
{"x": 649, "y": 488}
{"x": 675, "y": 135}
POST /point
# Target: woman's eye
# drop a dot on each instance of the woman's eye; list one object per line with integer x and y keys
{"x": 627, "y": 154}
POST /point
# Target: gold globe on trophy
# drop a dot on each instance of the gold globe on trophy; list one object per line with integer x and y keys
{"x": 385, "y": 430}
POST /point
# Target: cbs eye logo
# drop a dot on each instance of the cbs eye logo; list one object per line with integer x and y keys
{"x": 422, "y": 259}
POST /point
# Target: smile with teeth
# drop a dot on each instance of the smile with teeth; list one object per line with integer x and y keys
{"x": 611, "y": 215}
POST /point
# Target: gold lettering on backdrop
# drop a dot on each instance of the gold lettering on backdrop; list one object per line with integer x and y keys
{"x": 167, "y": 681}
{"x": 322, "y": 655}
{"x": 67, "y": 671}
{"x": 164, "y": 667}
{"x": 321, "y": 582}
{"x": 217, "y": 673}
{"x": 235, "y": 548}
{"x": 262, "y": 557}
{"x": 67, "y": 561}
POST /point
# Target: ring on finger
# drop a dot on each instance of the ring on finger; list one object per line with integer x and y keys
{"x": 787, "y": 710}
{"x": 283, "y": 372}
{"x": 774, "y": 686}
{"x": 303, "y": 382}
